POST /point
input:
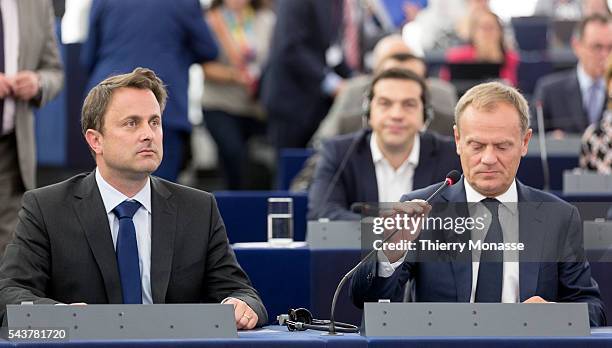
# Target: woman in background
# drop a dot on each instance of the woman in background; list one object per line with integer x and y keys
{"x": 232, "y": 113}
{"x": 486, "y": 45}
{"x": 597, "y": 139}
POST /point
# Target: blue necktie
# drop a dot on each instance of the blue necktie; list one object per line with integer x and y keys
{"x": 127, "y": 252}
{"x": 491, "y": 269}
{"x": 594, "y": 109}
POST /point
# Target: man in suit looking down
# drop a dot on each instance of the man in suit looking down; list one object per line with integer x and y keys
{"x": 492, "y": 134}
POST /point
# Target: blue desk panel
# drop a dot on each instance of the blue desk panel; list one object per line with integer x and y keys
{"x": 275, "y": 336}
{"x": 280, "y": 275}
{"x": 245, "y": 214}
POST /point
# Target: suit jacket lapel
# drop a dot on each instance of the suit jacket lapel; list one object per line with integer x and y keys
{"x": 163, "y": 231}
{"x": 424, "y": 172}
{"x": 366, "y": 176}
{"x": 91, "y": 213}
{"x": 531, "y": 234}
{"x": 462, "y": 267}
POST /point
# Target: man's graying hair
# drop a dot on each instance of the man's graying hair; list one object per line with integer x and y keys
{"x": 97, "y": 100}
{"x": 486, "y": 96}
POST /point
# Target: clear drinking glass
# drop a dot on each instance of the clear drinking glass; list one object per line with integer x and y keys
{"x": 280, "y": 220}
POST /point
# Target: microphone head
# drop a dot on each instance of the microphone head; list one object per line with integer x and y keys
{"x": 452, "y": 177}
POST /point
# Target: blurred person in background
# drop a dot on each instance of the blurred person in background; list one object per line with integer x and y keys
{"x": 232, "y": 114}
{"x": 487, "y": 44}
{"x": 315, "y": 46}
{"x": 395, "y": 154}
{"x": 571, "y": 9}
{"x": 31, "y": 74}
{"x": 164, "y": 36}
{"x": 390, "y": 52}
{"x": 597, "y": 139}
{"x": 434, "y": 27}
{"x": 347, "y": 112}
{"x": 464, "y": 25}
{"x": 572, "y": 100}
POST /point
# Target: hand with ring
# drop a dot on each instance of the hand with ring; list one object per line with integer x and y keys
{"x": 246, "y": 318}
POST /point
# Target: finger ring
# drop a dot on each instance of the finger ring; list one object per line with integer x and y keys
{"x": 247, "y": 316}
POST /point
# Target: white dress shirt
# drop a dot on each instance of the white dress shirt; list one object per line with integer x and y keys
{"x": 10, "y": 21}
{"x": 392, "y": 183}
{"x": 509, "y": 221}
{"x": 142, "y": 222}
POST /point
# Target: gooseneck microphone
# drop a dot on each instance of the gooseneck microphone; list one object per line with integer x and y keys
{"x": 451, "y": 178}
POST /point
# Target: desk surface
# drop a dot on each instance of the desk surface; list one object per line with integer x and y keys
{"x": 275, "y": 336}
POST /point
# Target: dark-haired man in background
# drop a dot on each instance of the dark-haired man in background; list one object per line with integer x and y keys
{"x": 391, "y": 158}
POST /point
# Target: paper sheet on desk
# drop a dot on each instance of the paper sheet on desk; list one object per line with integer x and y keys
{"x": 259, "y": 331}
{"x": 601, "y": 330}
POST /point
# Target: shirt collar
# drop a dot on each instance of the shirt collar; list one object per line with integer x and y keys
{"x": 413, "y": 157}
{"x": 509, "y": 198}
{"x": 112, "y": 197}
{"x": 585, "y": 81}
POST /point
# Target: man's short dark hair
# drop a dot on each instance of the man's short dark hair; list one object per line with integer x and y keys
{"x": 400, "y": 74}
{"x": 98, "y": 99}
{"x": 404, "y": 57}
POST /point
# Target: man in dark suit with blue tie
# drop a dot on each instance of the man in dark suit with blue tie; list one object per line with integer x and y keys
{"x": 492, "y": 134}
{"x": 118, "y": 234}
{"x": 164, "y": 36}
{"x": 393, "y": 157}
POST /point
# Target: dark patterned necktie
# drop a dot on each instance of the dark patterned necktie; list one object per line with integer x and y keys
{"x": 491, "y": 269}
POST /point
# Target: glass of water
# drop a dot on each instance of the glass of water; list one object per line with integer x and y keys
{"x": 280, "y": 220}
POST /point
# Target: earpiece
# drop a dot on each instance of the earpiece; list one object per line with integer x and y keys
{"x": 301, "y": 319}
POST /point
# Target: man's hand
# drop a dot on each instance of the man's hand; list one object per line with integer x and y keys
{"x": 414, "y": 208}
{"x": 25, "y": 85}
{"x": 5, "y": 86}
{"x": 246, "y": 318}
{"x": 536, "y": 299}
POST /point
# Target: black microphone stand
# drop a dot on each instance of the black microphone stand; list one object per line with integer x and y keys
{"x": 332, "y": 322}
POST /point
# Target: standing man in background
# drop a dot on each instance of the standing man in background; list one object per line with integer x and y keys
{"x": 30, "y": 75}
{"x": 165, "y": 36}
{"x": 314, "y": 47}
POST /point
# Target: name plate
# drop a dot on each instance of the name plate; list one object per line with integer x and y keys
{"x": 598, "y": 234}
{"x": 577, "y": 182}
{"x": 155, "y": 321}
{"x": 334, "y": 235}
{"x": 475, "y": 319}
{"x": 568, "y": 146}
